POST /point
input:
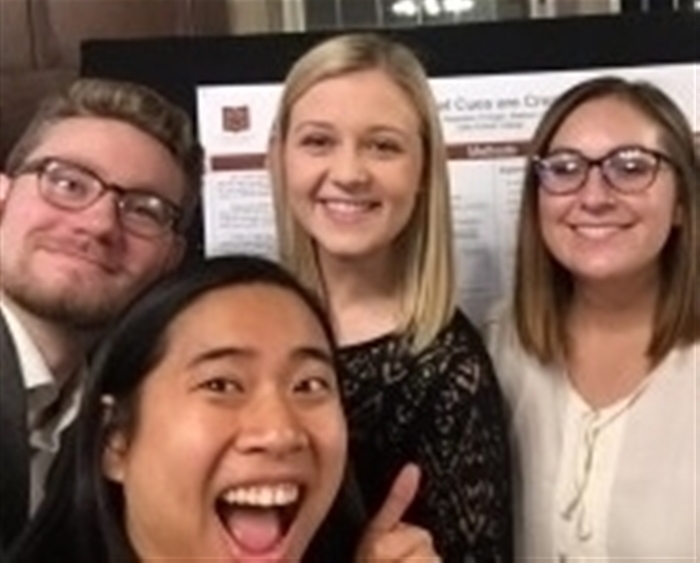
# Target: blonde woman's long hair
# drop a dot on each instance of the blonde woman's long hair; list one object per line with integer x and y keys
{"x": 428, "y": 289}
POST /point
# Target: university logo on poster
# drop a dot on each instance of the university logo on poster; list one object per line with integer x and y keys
{"x": 235, "y": 119}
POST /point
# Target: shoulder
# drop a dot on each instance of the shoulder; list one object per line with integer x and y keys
{"x": 683, "y": 366}
{"x": 459, "y": 337}
{"x": 501, "y": 335}
{"x": 9, "y": 352}
{"x": 11, "y": 338}
{"x": 459, "y": 340}
{"x": 458, "y": 358}
{"x": 681, "y": 362}
{"x": 514, "y": 367}
{"x": 689, "y": 356}
{"x": 6, "y": 344}
{"x": 499, "y": 328}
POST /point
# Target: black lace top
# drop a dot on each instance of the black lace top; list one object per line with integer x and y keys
{"x": 443, "y": 410}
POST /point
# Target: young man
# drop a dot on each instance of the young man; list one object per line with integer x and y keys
{"x": 93, "y": 203}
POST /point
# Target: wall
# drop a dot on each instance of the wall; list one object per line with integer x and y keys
{"x": 40, "y": 40}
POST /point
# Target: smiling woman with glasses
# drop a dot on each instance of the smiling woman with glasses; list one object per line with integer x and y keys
{"x": 598, "y": 350}
{"x": 73, "y": 187}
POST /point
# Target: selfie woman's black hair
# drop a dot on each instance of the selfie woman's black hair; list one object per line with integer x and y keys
{"x": 82, "y": 519}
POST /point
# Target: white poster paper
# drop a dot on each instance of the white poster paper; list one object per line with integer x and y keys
{"x": 487, "y": 121}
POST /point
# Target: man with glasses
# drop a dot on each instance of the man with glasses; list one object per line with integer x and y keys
{"x": 93, "y": 203}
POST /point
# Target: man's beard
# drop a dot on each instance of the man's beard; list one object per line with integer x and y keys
{"x": 68, "y": 307}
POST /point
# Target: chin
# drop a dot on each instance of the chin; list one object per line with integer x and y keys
{"x": 351, "y": 250}
{"x": 604, "y": 276}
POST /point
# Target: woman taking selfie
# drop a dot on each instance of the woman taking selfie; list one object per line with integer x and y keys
{"x": 212, "y": 430}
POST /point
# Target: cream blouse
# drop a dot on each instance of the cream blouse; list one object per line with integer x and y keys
{"x": 601, "y": 484}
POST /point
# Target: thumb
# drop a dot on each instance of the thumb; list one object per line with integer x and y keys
{"x": 400, "y": 497}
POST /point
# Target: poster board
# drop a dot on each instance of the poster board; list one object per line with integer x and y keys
{"x": 492, "y": 81}
{"x": 487, "y": 121}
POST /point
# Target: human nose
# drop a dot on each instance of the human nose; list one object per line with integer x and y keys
{"x": 101, "y": 217}
{"x": 595, "y": 189}
{"x": 349, "y": 168}
{"x": 271, "y": 426}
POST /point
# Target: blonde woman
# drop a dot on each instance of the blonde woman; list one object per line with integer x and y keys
{"x": 361, "y": 186}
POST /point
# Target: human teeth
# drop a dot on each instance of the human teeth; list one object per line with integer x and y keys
{"x": 280, "y": 496}
{"x": 347, "y": 206}
{"x": 264, "y": 495}
{"x": 596, "y": 232}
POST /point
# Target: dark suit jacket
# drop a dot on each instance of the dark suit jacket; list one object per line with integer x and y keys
{"x": 14, "y": 442}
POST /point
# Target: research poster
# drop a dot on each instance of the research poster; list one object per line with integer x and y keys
{"x": 487, "y": 123}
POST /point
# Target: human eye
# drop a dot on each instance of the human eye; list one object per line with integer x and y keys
{"x": 316, "y": 142}
{"x": 631, "y": 163}
{"x": 68, "y": 182}
{"x": 385, "y": 147}
{"x": 563, "y": 165}
{"x": 561, "y": 172}
{"x": 220, "y": 385}
{"x": 314, "y": 386}
{"x": 148, "y": 209}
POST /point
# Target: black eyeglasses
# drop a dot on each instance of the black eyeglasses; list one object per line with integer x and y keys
{"x": 628, "y": 169}
{"x": 69, "y": 186}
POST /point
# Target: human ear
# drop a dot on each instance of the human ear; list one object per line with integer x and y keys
{"x": 114, "y": 456}
{"x": 4, "y": 191}
{"x": 677, "y": 214}
{"x": 115, "y": 444}
{"x": 176, "y": 253}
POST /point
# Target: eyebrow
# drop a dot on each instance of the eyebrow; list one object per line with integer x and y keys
{"x": 87, "y": 168}
{"x": 299, "y": 353}
{"x": 313, "y": 353}
{"x": 381, "y": 128}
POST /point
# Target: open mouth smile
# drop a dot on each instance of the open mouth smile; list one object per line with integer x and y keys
{"x": 258, "y": 518}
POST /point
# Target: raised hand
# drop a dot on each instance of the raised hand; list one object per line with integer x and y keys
{"x": 387, "y": 538}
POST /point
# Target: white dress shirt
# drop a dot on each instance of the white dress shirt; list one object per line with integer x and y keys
{"x": 603, "y": 485}
{"x": 46, "y": 418}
